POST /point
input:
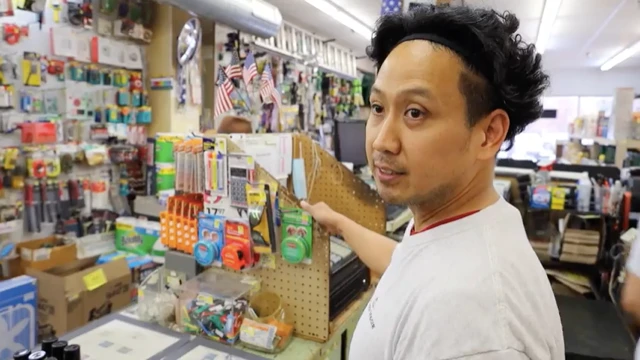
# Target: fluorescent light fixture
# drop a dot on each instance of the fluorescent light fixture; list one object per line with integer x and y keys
{"x": 549, "y": 15}
{"x": 621, "y": 56}
{"x": 342, "y": 17}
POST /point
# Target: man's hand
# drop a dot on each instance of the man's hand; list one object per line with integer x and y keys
{"x": 325, "y": 216}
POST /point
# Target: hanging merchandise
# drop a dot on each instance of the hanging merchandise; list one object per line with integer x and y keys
{"x": 356, "y": 91}
{"x": 215, "y": 155}
{"x": 6, "y": 8}
{"x": 238, "y": 251}
{"x": 187, "y": 46}
{"x": 261, "y": 217}
{"x": 179, "y": 222}
{"x": 13, "y": 33}
{"x": 208, "y": 249}
{"x": 297, "y": 236}
{"x": 31, "y": 69}
{"x": 241, "y": 173}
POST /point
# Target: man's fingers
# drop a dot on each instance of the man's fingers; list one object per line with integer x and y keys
{"x": 306, "y": 206}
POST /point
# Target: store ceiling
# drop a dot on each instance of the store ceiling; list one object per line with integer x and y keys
{"x": 586, "y": 32}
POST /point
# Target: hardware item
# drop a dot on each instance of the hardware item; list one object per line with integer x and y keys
{"x": 31, "y": 69}
{"x": 38, "y": 355}
{"x": 297, "y": 236}
{"x": 22, "y": 355}
{"x": 208, "y": 249}
{"x": 13, "y": 33}
{"x": 57, "y": 349}
{"x": 46, "y": 344}
{"x": 237, "y": 252}
{"x": 72, "y": 352}
{"x": 261, "y": 218}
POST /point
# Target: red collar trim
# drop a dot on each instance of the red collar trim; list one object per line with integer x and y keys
{"x": 443, "y": 222}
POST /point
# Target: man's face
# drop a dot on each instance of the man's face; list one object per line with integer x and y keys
{"x": 418, "y": 138}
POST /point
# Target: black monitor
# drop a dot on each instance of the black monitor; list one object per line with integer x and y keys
{"x": 349, "y": 141}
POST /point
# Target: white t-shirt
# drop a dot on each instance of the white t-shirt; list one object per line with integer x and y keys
{"x": 470, "y": 289}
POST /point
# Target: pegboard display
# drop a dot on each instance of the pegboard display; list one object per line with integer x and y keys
{"x": 331, "y": 182}
{"x": 305, "y": 288}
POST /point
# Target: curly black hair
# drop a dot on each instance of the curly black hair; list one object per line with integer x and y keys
{"x": 504, "y": 71}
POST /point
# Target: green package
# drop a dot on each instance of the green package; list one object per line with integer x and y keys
{"x": 297, "y": 236}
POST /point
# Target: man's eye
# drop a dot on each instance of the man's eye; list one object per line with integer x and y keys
{"x": 376, "y": 109}
{"x": 414, "y": 113}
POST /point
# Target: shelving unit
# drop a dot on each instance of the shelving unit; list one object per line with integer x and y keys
{"x": 296, "y": 43}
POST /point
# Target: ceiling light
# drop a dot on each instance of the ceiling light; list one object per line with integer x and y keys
{"x": 342, "y": 17}
{"x": 549, "y": 14}
{"x": 621, "y": 56}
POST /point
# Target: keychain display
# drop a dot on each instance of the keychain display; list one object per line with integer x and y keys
{"x": 297, "y": 236}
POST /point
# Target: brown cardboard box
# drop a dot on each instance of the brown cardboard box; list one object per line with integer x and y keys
{"x": 71, "y": 295}
{"x": 34, "y": 255}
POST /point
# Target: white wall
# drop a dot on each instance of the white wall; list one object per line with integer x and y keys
{"x": 592, "y": 82}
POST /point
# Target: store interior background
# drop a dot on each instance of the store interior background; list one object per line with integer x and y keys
{"x": 582, "y": 36}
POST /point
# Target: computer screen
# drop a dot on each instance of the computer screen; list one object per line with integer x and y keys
{"x": 349, "y": 141}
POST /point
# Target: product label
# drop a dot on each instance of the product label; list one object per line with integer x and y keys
{"x": 258, "y": 334}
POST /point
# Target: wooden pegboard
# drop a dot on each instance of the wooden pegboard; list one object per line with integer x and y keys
{"x": 331, "y": 182}
{"x": 305, "y": 288}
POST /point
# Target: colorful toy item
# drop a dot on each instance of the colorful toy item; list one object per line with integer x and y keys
{"x": 217, "y": 319}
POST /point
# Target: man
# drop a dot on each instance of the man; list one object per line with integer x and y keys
{"x": 453, "y": 84}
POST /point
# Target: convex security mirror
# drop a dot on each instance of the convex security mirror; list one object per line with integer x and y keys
{"x": 188, "y": 41}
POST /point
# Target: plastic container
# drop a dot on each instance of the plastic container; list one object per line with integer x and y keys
{"x": 213, "y": 304}
{"x": 156, "y": 301}
{"x": 268, "y": 325}
{"x": 584, "y": 195}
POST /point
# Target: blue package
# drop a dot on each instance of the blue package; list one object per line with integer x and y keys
{"x": 207, "y": 250}
{"x": 18, "y": 315}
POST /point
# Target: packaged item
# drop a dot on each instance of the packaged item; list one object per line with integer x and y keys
{"x": 267, "y": 325}
{"x": 261, "y": 218}
{"x": 136, "y": 236}
{"x": 237, "y": 252}
{"x": 297, "y": 236}
{"x": 208, "y": 249}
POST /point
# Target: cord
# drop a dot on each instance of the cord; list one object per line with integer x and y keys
{"x": 317, "y": 163}
{"x": 616, "y": 253}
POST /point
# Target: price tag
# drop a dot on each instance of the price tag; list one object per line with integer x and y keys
{"x": 94, "y": 279}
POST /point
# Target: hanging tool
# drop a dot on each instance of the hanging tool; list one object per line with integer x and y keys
{"x": 33, "y": 225}
{"x": 56, "y": 7}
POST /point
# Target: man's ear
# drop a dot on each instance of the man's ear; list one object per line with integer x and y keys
{"x": 494, "y": 127}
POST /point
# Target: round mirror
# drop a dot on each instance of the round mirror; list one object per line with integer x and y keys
{"x": 188, "y": 41}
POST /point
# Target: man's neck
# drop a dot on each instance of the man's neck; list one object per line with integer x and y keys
{"x": 471, "y": 198}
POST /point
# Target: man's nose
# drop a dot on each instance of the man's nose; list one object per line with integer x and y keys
{"x": 387, "y": 139}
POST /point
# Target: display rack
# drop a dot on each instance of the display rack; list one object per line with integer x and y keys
{"x": 305, "y": 288}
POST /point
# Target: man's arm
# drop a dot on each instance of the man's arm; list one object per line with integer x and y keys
{"x": 631, "y": 296}
{"x": 630, "y": 300}
{"x": 373, "y": 249}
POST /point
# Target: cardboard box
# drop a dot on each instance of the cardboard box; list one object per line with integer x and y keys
{"x": 35, "y": 255}
{"x": 18, "y": 315}
{"x": 72, "y": 295}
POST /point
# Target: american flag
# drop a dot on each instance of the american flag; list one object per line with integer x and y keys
{"x": 234, "y": 70}
{"x": 391, "y": 7}
{"x": 249, "y": 70}
{"x": 268, "y": 90}
{"x": 223, "y": 102}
